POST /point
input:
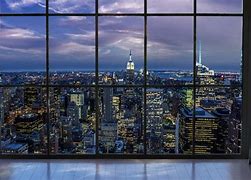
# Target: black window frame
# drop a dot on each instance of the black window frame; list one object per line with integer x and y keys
{"x": 245, "y": 85}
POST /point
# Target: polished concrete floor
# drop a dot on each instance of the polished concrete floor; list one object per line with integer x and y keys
{"x": 125, "y": 169}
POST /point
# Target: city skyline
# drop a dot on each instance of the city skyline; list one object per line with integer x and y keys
{"x": 176, "y": 106}
{"x": 73, "y": 113}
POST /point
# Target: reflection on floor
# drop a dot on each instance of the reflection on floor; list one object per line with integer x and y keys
{"x": 125, "y": 169}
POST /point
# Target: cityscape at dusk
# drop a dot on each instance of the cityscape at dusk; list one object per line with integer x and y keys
{"x": 171, "y": 106}
{"x": 169, "y": 113}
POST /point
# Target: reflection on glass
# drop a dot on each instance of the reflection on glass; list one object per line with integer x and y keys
{"x": 219, "y": 6}
{"x": 71, "y": 6}
{"x": 170, "y": 50}
{"x": 72, "y": 120}
{"x": 72, "y": 50}
{"x": 22, "y": 6}
{"x": 219, "y": 50}
{"x": 23, "y": 120}
{"x": 218, "y": 120}
{"x": 166, "y": 127}
{"x": 121, "y": 6}
{"x": 170, "y": 6}
{"x": 121, "y": 120}
{"x": 121, "y": 45}
{"x": 22, "y": 50}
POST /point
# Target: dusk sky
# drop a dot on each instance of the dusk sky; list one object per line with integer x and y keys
{"x": 72, "y": 38}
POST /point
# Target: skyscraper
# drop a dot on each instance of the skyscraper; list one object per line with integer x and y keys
{"x": 108, "y": 125}
{"x": 130, "y": 70}
{"x": 31, "y": 95}
{"x": 206, "y": 131}
{"x": 78, "y": 99}
{"x": 154, "y": 111}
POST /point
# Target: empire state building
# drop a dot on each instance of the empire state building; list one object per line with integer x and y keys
{"x": 130, "y": 69}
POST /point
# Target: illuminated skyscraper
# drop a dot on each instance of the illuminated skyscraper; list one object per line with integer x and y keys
{"x": 206, "y": 131}
{"x": 108, "y": 125}
{"x": 130, "y": 70}
{"x": 78, "y": 99}
{"x": 31, "y": 95}
{"x": 154, "y": 111}
{"x": 202, "y": 70}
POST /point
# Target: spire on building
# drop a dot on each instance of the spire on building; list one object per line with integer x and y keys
{"x": 200, "y": 53}
{"x": 130, "y": 63}
{"x": 130, "y": 59}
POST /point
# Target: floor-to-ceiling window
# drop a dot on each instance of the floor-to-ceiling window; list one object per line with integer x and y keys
{"x": 121, "y": 77}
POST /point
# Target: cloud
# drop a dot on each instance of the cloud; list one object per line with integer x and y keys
{"x": 72, "y": 38}
{"x": 18, "y": 4}
{"x": 124, "y": 34}
{"x": 73, "y": 48}
{"x": 56, "y": 6}
{"x": 119, "y": 6}
{"x": 66, "y": 6}
{"x": 21, "y": 40}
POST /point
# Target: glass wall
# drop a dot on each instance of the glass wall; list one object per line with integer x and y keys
{"x": 121, "y": 77}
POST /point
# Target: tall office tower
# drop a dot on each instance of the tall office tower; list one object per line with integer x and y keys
{"x": 204, "y": 76}
{"x": 73, "y": 113}
{"x": 108, "y": 125}
{"x": 223, "y": 115}
{"x": 234, "y": 127}
{"x": 31, "y": 95}
{"x": 154, "y": 120}
{"x": 116, "y": 104}
{"x": 54, "y": 104}
{"x": 130, "y": 70}
{"x": 187, "y": 97}
{"x": 206, "y": 131}
{"x": 78, "y": 99}
{"x": 107, "y": 104}
{"x": 203, "y": 73}
{"x": 130, "y": 123}
{"x": 65, "y": 134}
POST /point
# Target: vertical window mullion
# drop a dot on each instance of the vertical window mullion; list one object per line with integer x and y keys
{"x": 47, "y": 78}
{"x": 194, "y": 74}
{"x": 145, "y": 74}
{"x": 96, "y": 75}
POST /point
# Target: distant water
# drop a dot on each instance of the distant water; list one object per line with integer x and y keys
{"x": 174, "y": 75}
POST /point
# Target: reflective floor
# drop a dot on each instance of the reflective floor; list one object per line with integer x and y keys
{"x": 125, "y": 169}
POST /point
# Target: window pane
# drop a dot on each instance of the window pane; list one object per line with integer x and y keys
{"x": 219, "y": 50}
{"x": 22, "y": 50}
{"x": 22, "y": 6}
{"x": 218, "y": 120}
{"x": 121, "y": 6}
{"x": 170, "y": 6}
{"x": 170, "y": 50}
{"x": 23, "y": 120}
{"x": 121, "y": 46}
{"x": 72, "y": 6}
{"x": 72, "y": 50}
{"x": 220, "y": 6}
{"x": 166, "y": 130}
{"x": 121, "y": 120}
{"x": 72, "y": 120}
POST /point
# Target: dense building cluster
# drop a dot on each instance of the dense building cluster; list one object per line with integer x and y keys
{"x": 169, "y": 112}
